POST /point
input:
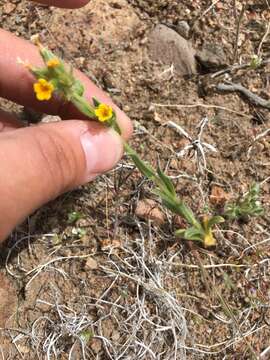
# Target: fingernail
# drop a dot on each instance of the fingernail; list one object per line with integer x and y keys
{"x": 102, "y": 151}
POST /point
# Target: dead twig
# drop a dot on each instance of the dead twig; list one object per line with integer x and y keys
{"x": 252, "y": 98}
{"x": 257, "y": 138}
{"x": 238, "y": 33}
{"x": 207, "y": 106}
{"x": 237, "y": 67}
{"x": 263, "y": 40}
{"x": 196, "y": 144}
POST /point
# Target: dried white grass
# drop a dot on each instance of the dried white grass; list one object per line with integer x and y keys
{"x": 197, "y": 145}
{"x": 257, "y": 138}
{"x": 49, "y": 333}
{"x": 150, "y": 331}
{"x": 207, "y": 106}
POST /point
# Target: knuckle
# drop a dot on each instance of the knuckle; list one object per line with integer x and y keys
{"x": 58, "y": 158}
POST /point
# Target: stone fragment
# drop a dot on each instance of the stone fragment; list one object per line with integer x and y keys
{"x": 218, "y": 196}
{"x": 183, "y": 29}
{"x": 168, "y": 47}
{"x": 91, "y": 264}
{"x": 96, "y": 345}
{"x": 148, "y": 210}
{"x": 110, "y": 243}
{"x": 8, "y": 8}
{"x": 212, "y": 57}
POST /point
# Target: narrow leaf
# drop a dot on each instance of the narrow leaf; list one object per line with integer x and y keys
{"x": 143, "y": 167}
{"x": 193, "y": 234}
{"x": 166, "y": 181}
{"x": 214, "y": 220}
{"x": 96, "y": 102}
{"x": 185, "y": 211}
{"x": 180, "y": 232}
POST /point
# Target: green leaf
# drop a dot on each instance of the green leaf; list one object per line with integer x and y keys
{"x": 180, "y": 232}
{"x": 213, "y": 221}
{"x": 166, "y": 181}
{"x": 193, "y": 233}
{"x": 96, "y": 102}
{"x": 168, "y": 202}
{"x": 115, "y": 125}
{"x": 185, "y": 211}
{"x": 142, "y": 166}
{"x": 40, "y": 73}
{"x": 46, "y": 54}
{"x": 73, "y": 217}
{"x": 78, "y": 88}
{"x": 86, "y": 335}
{"x": 83, "y": 106}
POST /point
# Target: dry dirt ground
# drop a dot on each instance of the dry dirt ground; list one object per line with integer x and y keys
{"x": 92, "y": 277}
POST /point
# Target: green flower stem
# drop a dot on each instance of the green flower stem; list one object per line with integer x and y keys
{"x": 83, "y": 105}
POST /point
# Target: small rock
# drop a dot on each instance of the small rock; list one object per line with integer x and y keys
{"x": 23, "y": 348}
{"x": 183, "y": 29}
{"x": 8, "y": 8}
{"x": 212, "y": 57}
{"x": 91, "y": 264}
{"x": 218, "y": 196}
{"x": 167, "y": 46}
{"x": 174, "y": 164}
{"x": 96, "y": 345}
{"x": 188, "y": 165}
{"x": 179, "y": 222}
{"x": 148, "y": 210}
{"x": 110, "y": 243}
{"x": 115, "y": 336}
{"x": 50, "y": 119}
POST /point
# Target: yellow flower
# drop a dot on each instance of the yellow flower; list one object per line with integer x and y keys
{"x": 104, "y": 112}
{"x": 43, "y": 89}
{"x": 52, "y": 63}
{"x": 208, "y": 239}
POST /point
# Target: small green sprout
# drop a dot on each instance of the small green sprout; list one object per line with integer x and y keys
{"x": 86, "y": 336}
{"x": 247, "y": 206}
{"x": 78, "y": 232}
{"x": 73, "y": 217}
{"x": 255, "y": 62}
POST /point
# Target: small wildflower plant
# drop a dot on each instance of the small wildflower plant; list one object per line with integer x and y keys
{"x": 247, "y": 206}
{"x": 56, "y": 78}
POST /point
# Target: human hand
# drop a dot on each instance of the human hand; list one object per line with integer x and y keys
{"x": 40, "y": 162}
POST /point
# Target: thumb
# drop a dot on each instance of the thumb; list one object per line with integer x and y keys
{"x": 41, "y": 162}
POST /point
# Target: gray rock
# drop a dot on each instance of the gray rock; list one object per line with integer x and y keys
{"x": 212, "y": 57}
{"x": 168, "y": 47}
{"x": 183, "y": 29}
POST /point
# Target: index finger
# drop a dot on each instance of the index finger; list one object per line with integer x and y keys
{"x": 16, "y": 83}
{"x": 68, "y": 4}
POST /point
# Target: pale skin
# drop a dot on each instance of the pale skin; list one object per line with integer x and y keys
{"x": 39, "y": 163}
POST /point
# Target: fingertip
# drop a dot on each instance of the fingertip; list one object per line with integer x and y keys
{"x": 67, "y": 4}
{"x": 125, "y": 124}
